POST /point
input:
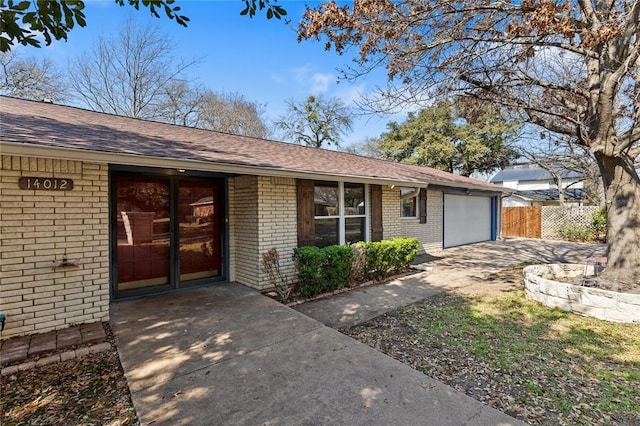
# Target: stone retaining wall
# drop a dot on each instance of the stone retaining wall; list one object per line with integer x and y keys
{"x": 540, "y": 285}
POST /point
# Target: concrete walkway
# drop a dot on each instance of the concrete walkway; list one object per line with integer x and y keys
{"x": 228, "y": 355}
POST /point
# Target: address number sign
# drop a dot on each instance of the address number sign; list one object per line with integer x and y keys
{"x": 47, "y": 184}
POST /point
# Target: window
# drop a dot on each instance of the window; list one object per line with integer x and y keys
{"x": 339, "y": 213}
{"x": 355, "y": 214}
{"x": 408, "y": 205}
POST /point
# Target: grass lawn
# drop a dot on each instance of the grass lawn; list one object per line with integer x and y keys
{"x": 541, "y": 365}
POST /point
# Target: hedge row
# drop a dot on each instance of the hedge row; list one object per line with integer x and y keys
{"x": 326, "y": 269}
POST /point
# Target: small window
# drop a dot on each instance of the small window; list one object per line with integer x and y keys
{"x": 408, "y": 205}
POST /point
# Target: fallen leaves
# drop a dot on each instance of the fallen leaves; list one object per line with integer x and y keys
{"x": 538, "y": 364}
{"x": 90, "y": 390}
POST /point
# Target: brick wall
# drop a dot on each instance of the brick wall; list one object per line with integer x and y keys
{"x": 435, "y": 220}
{"x": 231, "y": 228}
{"x": 38, "y": 226}
{"x": 278, "y": 223}
{"x": 244, "y": 218}
{"x": 263, "y": 215}
{"x": 429, "y": 234}
{"x": 391, "y": 213}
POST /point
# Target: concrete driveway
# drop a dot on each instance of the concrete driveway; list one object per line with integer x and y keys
{"x": 227, "y": 355}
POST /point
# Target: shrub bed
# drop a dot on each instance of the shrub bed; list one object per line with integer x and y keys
{"x": 326, "y": 269}
{"x": 322, "y": 269}
{"x": 387, "y": 257}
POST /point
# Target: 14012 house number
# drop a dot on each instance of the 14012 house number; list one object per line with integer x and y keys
{"x": 47, "y": 184}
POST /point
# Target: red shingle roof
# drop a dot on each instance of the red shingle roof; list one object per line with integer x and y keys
{"x": 42, "y": 124}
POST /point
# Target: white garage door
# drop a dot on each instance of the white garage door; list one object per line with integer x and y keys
{"x": 467, "y": 219}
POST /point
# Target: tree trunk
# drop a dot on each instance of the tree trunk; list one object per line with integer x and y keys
{"x": 622, "y": 191}
{"x": 560, "y": 189}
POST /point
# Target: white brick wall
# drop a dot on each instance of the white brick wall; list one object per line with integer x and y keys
{"x": 278, "y": 223}
{"x": 264, "y": 215}
{"x": 38, "y": 226}
{"x": 429, "y": 234}
{"x": 391, "y": 213}
{"x": 244, "y": 218}
{"x": 231, "y": 228}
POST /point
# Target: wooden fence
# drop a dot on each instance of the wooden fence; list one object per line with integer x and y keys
{"x": 544, "y": 221}
{"x": 525, "y": 222}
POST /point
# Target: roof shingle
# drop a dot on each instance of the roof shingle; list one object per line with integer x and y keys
{"x": 42, "y": 124}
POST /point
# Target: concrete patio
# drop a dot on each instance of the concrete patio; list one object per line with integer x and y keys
{"x": 227, "y": 355}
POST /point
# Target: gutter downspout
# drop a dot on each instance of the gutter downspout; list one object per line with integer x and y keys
{"x": 415, "y": 193}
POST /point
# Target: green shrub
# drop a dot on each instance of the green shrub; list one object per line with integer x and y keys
{"x": 407, "y": 250}
{"x": 575, "y": 232}
{"x": 326, "y": 269}
{"x": 336, "y": 266}
{"x": 599, "y": 224}
{"x": 322, "y": 269}
{"x": 388, "y": 256}
{"x": 308, "y": 261}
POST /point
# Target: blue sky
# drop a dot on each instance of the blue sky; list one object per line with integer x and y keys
{"x": 258, "y": 58}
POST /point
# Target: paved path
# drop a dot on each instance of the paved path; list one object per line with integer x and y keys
{"x": 228, "y": 355}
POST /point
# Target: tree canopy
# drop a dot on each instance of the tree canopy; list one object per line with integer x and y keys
{"x": 453, "y": 138}
{"x": 571, "y": 67}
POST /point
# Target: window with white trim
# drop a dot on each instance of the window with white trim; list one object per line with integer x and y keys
{"x": 340, "y": 213}
{"x": 408, "y": 205}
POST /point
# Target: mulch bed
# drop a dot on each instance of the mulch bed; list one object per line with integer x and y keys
{"x": 90, "y": 390}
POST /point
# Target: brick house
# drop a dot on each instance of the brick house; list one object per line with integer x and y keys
{"x": 96, "y": 208}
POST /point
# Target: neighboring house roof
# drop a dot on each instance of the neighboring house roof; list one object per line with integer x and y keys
{"x": 30, "y": 128}
{"x": 570, "y": 194}
{"x": 203, "y": 201}
{"x": 531, "y": 173}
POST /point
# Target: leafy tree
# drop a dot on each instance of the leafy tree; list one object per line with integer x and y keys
{"x": 315, "y": 121}
{"x": 452, "y": 138}
{"x": 571, "y": 67}
{"x": 31, "y": 79}
{"x": 23, "y": 21}
{"x": 128, "y": 74}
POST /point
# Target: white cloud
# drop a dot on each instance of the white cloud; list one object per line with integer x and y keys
{"x": 301, "y": 74}
{"x": 351, "y": 94}
{"x": 320, "y": 83}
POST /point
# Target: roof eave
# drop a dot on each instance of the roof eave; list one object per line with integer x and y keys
{"x": 22, "y": 149}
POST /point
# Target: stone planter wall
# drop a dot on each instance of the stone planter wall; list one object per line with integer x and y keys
{"x": 542, "y": 285}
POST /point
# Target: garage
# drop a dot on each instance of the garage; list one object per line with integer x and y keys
{"x": 467, "y": 219}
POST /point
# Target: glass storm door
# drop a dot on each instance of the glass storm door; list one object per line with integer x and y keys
{"x": 143, "y": 232}
{"x": 199, "y": 230}
{"x": 167, "y": 232}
